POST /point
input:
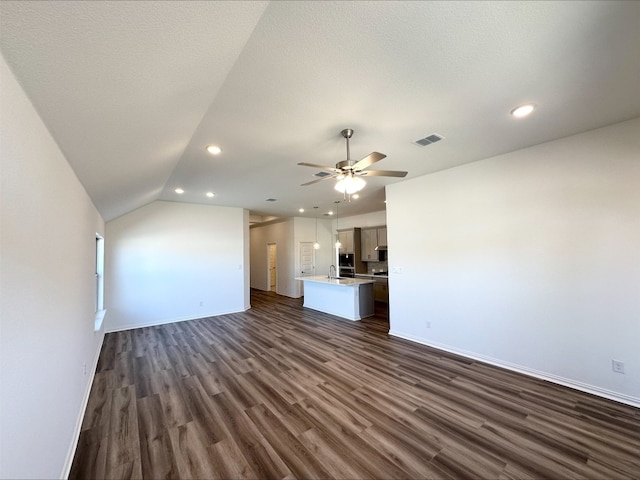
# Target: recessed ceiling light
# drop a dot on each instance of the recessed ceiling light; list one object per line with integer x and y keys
{"x": 179, "y": 191}
{"x": 301, "y": 210}
{"x": 211, "y": 194}
{"x": 330, "y": 212}
{"x": 355, "y": 196}
{"x": 523, "y": 110}
{"x": 214, "y": 149}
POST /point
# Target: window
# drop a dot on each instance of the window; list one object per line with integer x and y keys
{"x": 99, "y": 282}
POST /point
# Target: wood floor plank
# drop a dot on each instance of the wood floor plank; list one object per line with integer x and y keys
{"x": 90, "y": 460}
{"x": 288, "y": 414}
{"x": 415, "y": 461}
{"x": 123, "y": 368}
{"x": 332, "y": 456}
{"x": 123, "y": 450}
{"x": 265, "y": 461}
{"x": 211, "y": 384}
{"x": 98, "y": 411}
{"x": 191, "y": 452}
{"x": 158, "y": 357}
{"x": 346, "y": 439}
{"x": 166, "y": 383}
{"x": 246, "y": 435}
{"x": 142, "y": 372}
{"x": 157, "y": 459}
{"x": 107, "y": 354}
{"x": 298, "y": 458}
{"x": 462, "y": 463}
{"x": 202, "y": 410}
{"x": 228, "y": 462}
{"x": 284, "y": 392}
{"x": 177, "y": 357}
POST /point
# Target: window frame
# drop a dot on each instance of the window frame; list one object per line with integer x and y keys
{"x": 99, "y": 283}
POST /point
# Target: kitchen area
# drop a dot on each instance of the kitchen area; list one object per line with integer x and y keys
{"x": 358, "y": 288}
{"x": 363, "y": 254}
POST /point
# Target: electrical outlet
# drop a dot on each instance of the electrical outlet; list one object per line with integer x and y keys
{"x": 428, "y": 324}
{"x": 201, "y": 303}
{"x": 617, "y": 366}
{"x": 84, "y": 369}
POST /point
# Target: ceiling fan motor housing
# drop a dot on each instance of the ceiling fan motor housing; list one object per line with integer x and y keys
{"x": 345, "y": 165}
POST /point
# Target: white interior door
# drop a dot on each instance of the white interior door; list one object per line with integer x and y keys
{"x": 307, "y": 264}
{"x": 306, "y": 259}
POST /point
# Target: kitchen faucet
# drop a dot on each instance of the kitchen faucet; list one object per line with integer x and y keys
{"x": 332, "y": 267}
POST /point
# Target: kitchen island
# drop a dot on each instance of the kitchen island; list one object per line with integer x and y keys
{"x": 350, "y": 298}
{"x": 380, "y": 286}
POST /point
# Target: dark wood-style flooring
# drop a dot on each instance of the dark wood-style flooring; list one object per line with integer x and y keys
{"x": 284, "y": 392}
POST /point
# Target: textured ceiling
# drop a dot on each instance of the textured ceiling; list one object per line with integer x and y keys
{"x": 134, "y": 91}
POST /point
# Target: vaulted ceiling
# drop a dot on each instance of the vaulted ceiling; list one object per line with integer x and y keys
{"x": 133, "y": 92}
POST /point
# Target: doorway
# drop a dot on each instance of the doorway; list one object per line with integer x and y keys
{"x": 272, "y": 275}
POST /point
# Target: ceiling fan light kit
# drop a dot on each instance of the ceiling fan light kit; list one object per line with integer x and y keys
{"x": 349, "y": 173}
{"x": 350, "y": 184}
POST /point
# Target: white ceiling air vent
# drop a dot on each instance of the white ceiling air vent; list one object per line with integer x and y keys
{"x": 321, "y": 174}
{"x": 433, "y": 138}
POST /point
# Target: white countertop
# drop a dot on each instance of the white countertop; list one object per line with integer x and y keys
{"x": 368, "y": 275}
{"x": 344, "y": 282}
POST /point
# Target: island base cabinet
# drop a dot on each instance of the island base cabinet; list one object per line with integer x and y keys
{"x": 351, "y": 302}
{"x": 381, "y": 291}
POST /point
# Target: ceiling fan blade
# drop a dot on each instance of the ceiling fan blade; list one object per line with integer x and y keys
{"x": 321, "y": 167}
{"x": 320, "y": 179}
{"x": 369, "y": 160}
{"x": 384, "y": 173}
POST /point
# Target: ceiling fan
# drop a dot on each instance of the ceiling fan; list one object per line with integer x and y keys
{"x": 349, "y": 172}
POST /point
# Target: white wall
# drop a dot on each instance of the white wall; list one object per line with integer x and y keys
{"x": 47, "y": 250}
{"x": 287, "y": 235}
{"x": 373, "y": 219}
{"x": 168, "y": 262}
{"x": 530, "y": 260}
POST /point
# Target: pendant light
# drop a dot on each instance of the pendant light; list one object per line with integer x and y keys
{"x": 338, "y": 244}
{"x": 316, "y": 245}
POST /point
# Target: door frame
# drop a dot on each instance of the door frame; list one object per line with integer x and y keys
{"x": 275, "y": 265}
{"x": 313, "y": 263}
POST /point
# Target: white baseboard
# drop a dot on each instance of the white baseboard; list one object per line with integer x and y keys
{"x": 66, "y": 470}
{"x": 567, "y": 382}
{"x": 155, "y": 323}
